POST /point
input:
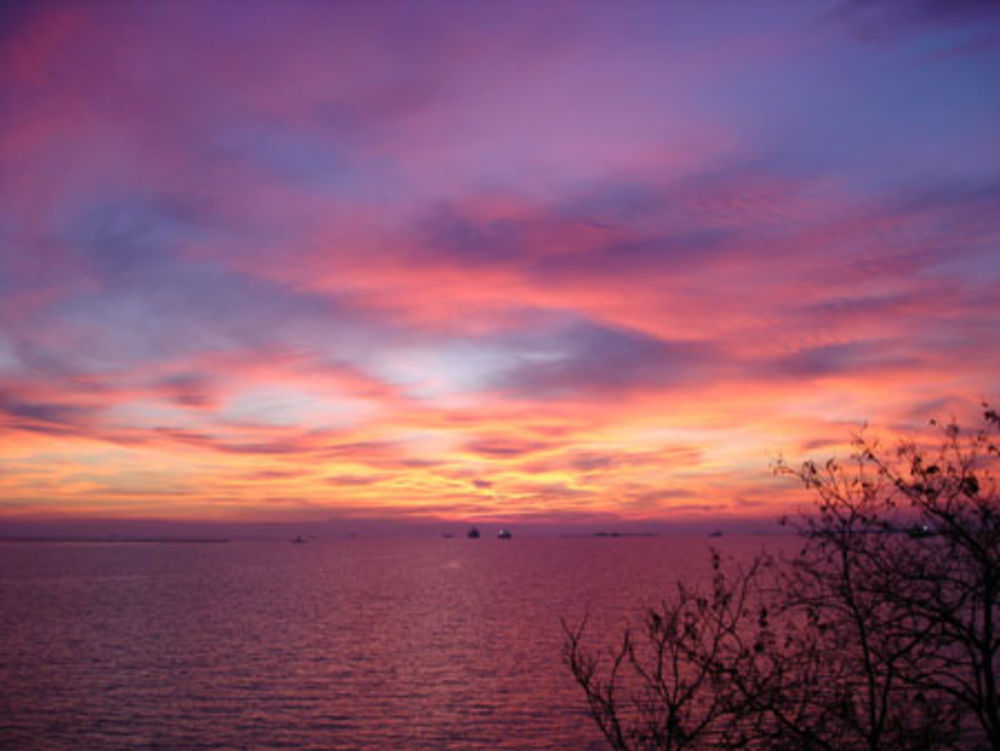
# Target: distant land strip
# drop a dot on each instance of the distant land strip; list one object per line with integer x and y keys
{"x": 36, "y": 538}
{"x": 610, "y": 534}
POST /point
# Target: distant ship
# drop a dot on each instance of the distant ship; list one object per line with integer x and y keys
{"x": 473, "y": 534}
{"x": 298, "y": 540}
{"x": 504, "y": 534}
{"x": 716, "y": 533}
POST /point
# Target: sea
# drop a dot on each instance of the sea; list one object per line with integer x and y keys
{"x": 338, "y": 643}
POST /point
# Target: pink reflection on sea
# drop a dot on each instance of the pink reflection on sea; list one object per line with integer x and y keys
{"x": 340, "y": 643}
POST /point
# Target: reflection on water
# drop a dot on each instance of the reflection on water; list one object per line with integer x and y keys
{"x": 361, "y": 643}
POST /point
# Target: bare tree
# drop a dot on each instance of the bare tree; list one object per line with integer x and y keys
{"x": 664, "y": 684}
{"x": 883, "y": 633}
{"x": 856, "y": 558}
{"x": 914, "y": 536}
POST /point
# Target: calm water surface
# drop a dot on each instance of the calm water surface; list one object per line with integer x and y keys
{"x": 346, "y": 643}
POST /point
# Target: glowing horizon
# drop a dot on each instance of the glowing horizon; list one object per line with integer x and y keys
{"x": 470, "y": 261}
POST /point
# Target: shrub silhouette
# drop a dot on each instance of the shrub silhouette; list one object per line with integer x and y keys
{"x": 883, "y": 633}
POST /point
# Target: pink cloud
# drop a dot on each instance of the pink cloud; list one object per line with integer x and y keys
{"x": 490, "y": 261}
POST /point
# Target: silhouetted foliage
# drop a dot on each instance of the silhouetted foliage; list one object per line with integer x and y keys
{"x": 883, "y": 633}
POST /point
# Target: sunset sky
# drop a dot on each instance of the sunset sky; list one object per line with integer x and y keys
{"x": 520, "y": 261}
